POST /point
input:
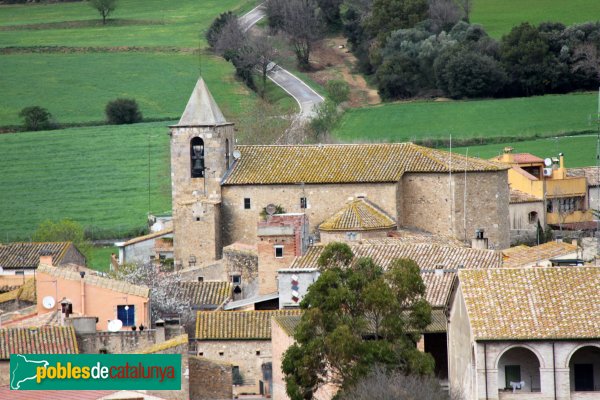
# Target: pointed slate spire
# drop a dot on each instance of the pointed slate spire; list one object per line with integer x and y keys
{"x": 201, "y": 109}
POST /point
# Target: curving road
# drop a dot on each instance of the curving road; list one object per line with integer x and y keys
{"x": 306, "y": 97}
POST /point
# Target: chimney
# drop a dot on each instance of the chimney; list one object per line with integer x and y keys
{"x": 46, "y": 257}
{"x": 574, "y": 242}
{"x": 160, "y": 331}
{"x": 507, "y": 155}
{"x": 479, "y": 242}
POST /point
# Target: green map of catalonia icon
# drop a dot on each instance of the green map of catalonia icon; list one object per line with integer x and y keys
{"x": 23, "y": 369}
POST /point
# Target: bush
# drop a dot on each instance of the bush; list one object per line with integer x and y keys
{"x": 214, "y": 31}
{"x": 338, "y": 91}
{"x": 123, "y": 111}
{"x": 36, "y": 118}
{"x": 326, "y": 118}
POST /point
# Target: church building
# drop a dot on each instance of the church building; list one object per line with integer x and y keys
{"x": 220, "y": 190}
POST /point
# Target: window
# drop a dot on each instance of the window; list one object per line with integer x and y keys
{"x": 200, "y": 279}
{"x": 351, "y": 235}
{"x": 302, "y": 202}
{"x": 246, "y": 203}
{"x": 584, "y": 377}
{"x": 20, "y": 272}
{"x": 533, "y": 217}
{"x": 278, "y": 251}
{"x": 221, "y": 353}
{"x": 197, "y": 157}
{"x": 226, "y": 154}
{"x": 549, "y": 207}
{"x": 236, "y": 279}
{"x": 258, "y": 352}
{"x": 512, "y": 373}
{"x": 126, "y": 314}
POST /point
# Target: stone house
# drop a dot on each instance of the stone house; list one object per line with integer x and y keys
{"x": 156, "y": 246}
{"x": 219, "y": 188}
{"x": 23, "y": 258}
{"x": 78, "y": 293}
{"x": 42, "y": 340}
{"x": 525, "y": 212}
{"x": 243, "y": 339}
{"x": 593, "y": 184}
{"x": 526, "y": 333}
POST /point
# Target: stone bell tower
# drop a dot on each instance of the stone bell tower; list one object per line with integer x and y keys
{"x": 202, "y": 143}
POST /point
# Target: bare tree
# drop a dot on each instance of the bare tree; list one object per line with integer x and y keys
{"x": 384, "y": 385}
{"x": 264, "y": 52}
{"x": 234, "y": 46}
{"x": 587, "y": 60}
{"x": 444, "y": 14}
{"x": 304, "y": 26}
{"x": 466, "y": 6}
{"x": 104, "y": 7}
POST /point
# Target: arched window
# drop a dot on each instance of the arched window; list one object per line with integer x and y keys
{"x": 533, "y": 216}
{"x": 197, "y": 157}
{"x": 584, "y": 370}
{"x": 519, "y": 367}
{"x": 226, "y": 154}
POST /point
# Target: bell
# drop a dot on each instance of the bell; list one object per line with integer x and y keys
{"x": 198, "y": 165}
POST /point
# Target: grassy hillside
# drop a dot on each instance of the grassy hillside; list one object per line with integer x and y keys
{"x": 76, "y": 87}
{"x": 580, "y": 151}
{"x": 498, "y": 17}
{"x": 97, "y": 176}
{"x": 519, "y": 117}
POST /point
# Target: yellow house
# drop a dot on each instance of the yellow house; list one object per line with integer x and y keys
{"x": 565, "y": 197}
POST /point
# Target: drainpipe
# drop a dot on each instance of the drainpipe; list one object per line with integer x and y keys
{"x": 82, "y": 274}
{"x": 554, "y": 369}
{"x": 485, "y": 369}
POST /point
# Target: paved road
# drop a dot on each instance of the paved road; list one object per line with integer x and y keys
{"x": 306, "y": 97}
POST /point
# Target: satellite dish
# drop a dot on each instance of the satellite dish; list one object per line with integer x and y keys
{"x": 48, "y": 302}
{"x": 548, "y": 162}
{"x": 237, "y": 154}
{"x": 271, "y": 209}
{"x": 115, "y": 325}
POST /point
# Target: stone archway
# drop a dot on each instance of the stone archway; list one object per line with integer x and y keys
{"x": 522, "y": 365}
{"x": 584, "y": 369}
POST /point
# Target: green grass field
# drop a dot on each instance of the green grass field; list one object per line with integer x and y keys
{"x": 498, "y": 17}
{"x": 519, "y": 117}
{"x": 97, "y": 176}
{"x": 579, "y": 151}
{"x": 76, "y": 87}
{"x": 99, "y": 257}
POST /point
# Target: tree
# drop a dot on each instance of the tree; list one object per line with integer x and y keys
{"x": 166, "y": 292}
{"x": 466, "y": 74}
{"x": 104, "y": 7}
{"x": 65, "y": 230}
{"x": 338, "y": 91}
{"x": 381, "y": 384}
{"x": 304, "y": 26}
{"x": 36, "y": 118}
{"x": 123, "y": 111}
{"x": 264, "y": 51}
{"x": 214, "y": 30}
{"x": 235, "y": 46}
{"x": 444, "y": 14}
{"x": 275, "y": 11}
{"x": 391, "y": 15}
{"x": 331, "y": 12}
{"x": 357, "y": 315}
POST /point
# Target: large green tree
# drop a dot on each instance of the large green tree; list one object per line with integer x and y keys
{"x": 65, "y": 230}
{"x": 356, "y": 315}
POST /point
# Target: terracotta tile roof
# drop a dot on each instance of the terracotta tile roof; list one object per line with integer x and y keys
{"x": 516, "y": 196}
{"x": 237, "y": 325}
{"x": 207, "y": 293}
{"x": 533, "y": 303}
{"x": 438, "y": 263}
{"x": 149, "y": 236}
{"x": 44, "y": 340}
{"x": 27, "y": 255}
{"x": 428, "y": 256}
{"x": 358, "y": 215}
{"x": 95, "y": 280}
{"x": 25, "y": 292}
{"x": 288, "y": 323}
{"x": 438, "y": 321}
{"x": 35, "y": 320}
{"x": 521, "y": 158}
{"x": 523, "y": 255}
{"x": 409, "y": 236}
{"x": 591, "y": 174}
{"x": 168, "y": 344}
{"x": 344, "y": 163}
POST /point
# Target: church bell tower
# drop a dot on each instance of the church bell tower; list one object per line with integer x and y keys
{"x": 201, "y": 146}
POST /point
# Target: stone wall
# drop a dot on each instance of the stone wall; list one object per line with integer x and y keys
{"x": 4, "y": 372}
{"x": 209, "y": 380}
{"x": 334, "y": 236}
{"x": 428, "y": 204}
{"x": 243, "y": 262}
{"x": 322, "y": 202}
{"x": 115, "y": 342}
{"x": 280, "y": 342}
{"x": 73, "y": 256}
{"x": 461, "y": 373}
{"x": 184, "y": 393}
{"x": 248, "y": 355}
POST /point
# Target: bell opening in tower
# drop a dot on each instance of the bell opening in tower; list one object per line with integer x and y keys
{"x": 197, "y": 157}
